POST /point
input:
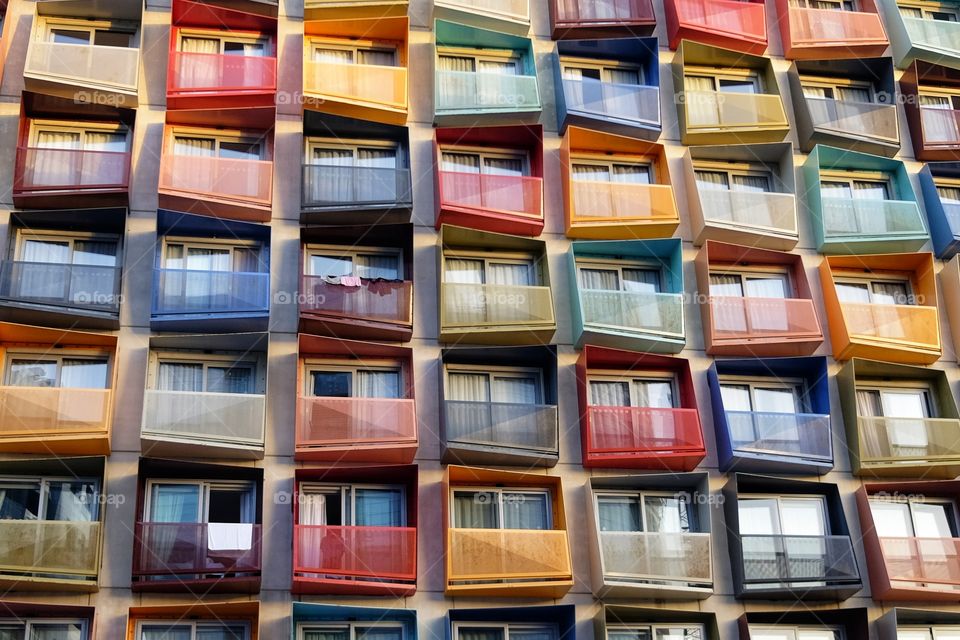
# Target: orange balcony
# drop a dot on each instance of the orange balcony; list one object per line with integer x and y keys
{"x": 745, "y": 320}
{"x": 732, "y": 24}
{"x": 824, "y": 34}
{"x": 244, "y": 613}
{"x": 240, "y": 189}
{"x": 591, "y": 19}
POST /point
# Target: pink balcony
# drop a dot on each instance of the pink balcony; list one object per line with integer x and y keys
{"x": 356, "y": 429}
{"x": 642, "y": 437}
{"x": 828, "y": 33}
{"x": 731, "y": 24}
{"x": 94, "y": 176}
{"x": 235, "y": 80}
{"x": 237, "y": 189}
{"x": 376, "y": 310}
{"x": 512, "y": 200}
{"x": 784, "y": 326}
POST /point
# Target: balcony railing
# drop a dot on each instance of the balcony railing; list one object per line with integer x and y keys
{"x": 59, "y": 548}
{"x": 377, "y": 300}
{"x": 713, "y": 110}
{"x": 371, "y": 553}
{"x": 53, "y": 411}
{"x": 232, "y": 179}
{"x": 371, "y": 84}
{"x": 759, "y": 211}
{"x": 477, "y": 91}
{"x": 215, "y": 73}
{"x": 823, "y": 27}
{"x": 633, "y": 102}
{"x": 474, "y": 306}
{"x": 900, "y": 323}
{"x": 787, "y": 560}
{"x": 514, "y": 555}
{"x": 799, "y": 435}
{"x": 908, "y": 440}
{"x": 622, "y": 202}
{"x": 952, "y": 211}
{"x": 333, "y": 186}
{"x": 520, "y": 195}
{"x": 185, "y": 291}
{"x": 45, "y": 170}
{"x": 860, "y": 118}
{"x": 356, "y": 421}
{"x": 189, "y": 549}
{"x": 941, "y": 127}
{"x": 938, "y": 35}
{"x": 585, "y": 12}
{"x": 635, "y": 556}
{"x": 501, "y": 424}
{"x": 643, "y": 430}
{"x": 653, "y": 313}
{"x": 73, "y": 286}
{"x": 928, "y": 561}
{"x": 512, "y": 9}
{"x": 236, "y": 418}
{"x": 95, "y": 64}
{"x": 749, "y": 318}
{"x": 745, "y": 19}
{"x": 853, "y": 218}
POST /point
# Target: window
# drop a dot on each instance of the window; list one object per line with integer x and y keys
{"x": 837, "y": 88}
{"x": 501, "y": 508}
{"x": 88, "y": 32}
{"x": 616, "y": 275}
{"x": 781, "y": 632}
{"x": 494, "y": 631}
{"x": 201, "y": 501}
{"x": 937, "y": 632}
{"x": 56, "y": 267}
{"x": 343, "y": 52}
{"x": 199, "y": 255}
{"x": 654, "y": 390}
{"x": 906, "y": 408}
{"x": 874, "y": 290}
{"x": 206, "y": 145}
{"x": 589, "y": 169}
{"x": 739, "y": 178}
{"x": 929, "y": 11}
{"x": 352, "y": 505}
{"x": 834, "y": 5}
{"x": 204, "y": 374}
{"x": 49, "y": 498}
{"x": 231, "y": 44}
{"x": 364, "y": 380}
{"x": 609, "y": 71}
{"x": 939, "y": 99}
{"x": 645, "y": 511}
{"x": 938, "y": 115}
{"x": 78, "y": 137}
{"x": 478, "y": 268}
{"x": 750, "y": 284}
{"x": 857, "y": 186}
{"x": 656, "y": 632}
{"x": 39, "y": 629}
{"x": 193, "y": 631}
{"x": 350, "y": 631}
{"x": 372, "y": 154}
{"x": 25, "y": 369}
{"x": 728, "y": 81}
{"x": 749, "y": 404}
{"x": 782, "y": 516}
{"x": 485, "y": 161}
{"x": 359, "y": 261}
{"x": 507, "y": 385}
{"x": 504, "y": 62}
{"x": 949, "y": 195}
{"x": 914, "y": 517}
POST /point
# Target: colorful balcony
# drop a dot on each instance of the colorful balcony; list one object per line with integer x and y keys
{"x": 766, "y": 219}
{"x": 310, "y": 614}
{"x": 950, "y": 285}
{"x": 766, "y": 442}
{"x": 562, "y": 618}
{"x": 830, "y": 34}
{"x": 625, "y": 109}
{"x": 908, "y": 333}
{"x": 320, "y": 9}
{"x": 511, "y": 16}
{"x": 717, "y": 118}
{"x": 501, "y": 433}
{"x": 774, "y": 567}
{"x": 485, "y": 201}
{"x": 850, "y": 622}
{"x": 244, "y": 613}
{"x": 501, "y": 314}
{"x": 604, "y": 210}
{"x": 741, "y": 26}
{"x": 366, "y": 91}
{"x": 214, "y": 80}
{"x": 904, "y": 447}
{"x": 934, "y": 124}
{"x": 923, "y": 39}
{"x": 638, "y": 437}
{"x": 86, "y": 73}
{"x": 573, "y": 19}
{"x": 611, "y": 618}
{"x": 642, "y": 321}
{"x": 651, "y": 564}
{"x": 469, "y": 97}
{"x": 868, "y": 127}
{"x": 900, "y": 620}
{"x": 943, "y": 213}
{"x": 534, "y": 563}
{"x": 22, "y": 613}
{"x": 910, "y": 568}
{"x": 356, "y": 429}
{"x": 756, "y": 326}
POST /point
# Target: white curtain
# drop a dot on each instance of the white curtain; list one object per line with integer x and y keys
{"x": 57, "y": 168}
{"x": 514, "y": 390}
{"x": 377, "y": 177}
{"x": 602, "y": 279}
{"x": 611, "y": 393}
{"x": 460, "y": 188}
{"x": 378, "y": 633}
{"x": 655, "y": 394}
{"x": 464, "y": 271}
{"x": 175, "y": 503}
{"x": 195, "y": 147}
{"x": 378, "y": 384}
{"x": 332, "y": 183}
{"x": 525, "y": 511}
{"x": 313, "y": 509}
{"x": 940, "y": 123}
{"x": 516, "y": 275}
{"x": 163, "y": 632}
{"x": 475, "y": 510}
{"x": 619, "y": 513}
{"x": 853, "y": 292}
{"x": 702, "y": 109}
{"x": 43, "y": 280}
{"x": 766, "y": 288}
{"x": 221, "y": 632}
{"x": 83, "y": 374}
{"x": 54, "y": 631}
{"x": 335, "y": 56}
{"x": 468, "y": 387}
{"x": 325, "y": 634}
{"x": 457, "y": 82}
{"x": 203, "y": 70}
{"x": 725, "y": 285}
{"x": 479, "y": 634}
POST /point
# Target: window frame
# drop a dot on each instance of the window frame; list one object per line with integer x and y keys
{"x": 909, "y": 500}
{"x": 498, "y": 371}
{"x": 852, "y": 177}
{"x": 736, "y": 169}
{"x": 219, "y": 137}
{"x": 483, "y": 54}
{"x": 630, "y": 377}
{"x": 601, "y": 160}
{"x": 604, "y": 66}
{"x": 203, "y": 512}
{"x": 505, "y": 627}
{"x": 210, "y": 243}
{"x": 834, "y": 83}
{"x": 312, "y": 43}
{"x": 23, "y": 234}
{"x": 930, "y": 629}
{"x": 27, "y": 353}
{"x": 530, "y": 260}
{"x": 893, "y": 386}
{"x": 838, "y": 631}
{"x": 797, "y": 385}
{"x": 235, "y": 37}
{"x": 349, "y": 626}
{"x": 255, "y": 361}
{"x": 723, "y": 73}
{"x": 779, "y": 498}
{"x": 83, "y": 128}
{"x": 499, "y": 491}
{"x": 329, "y": 365}
{"x": 485, "y": 153}
{"x": 192, "y": 624}
{"x": 354, "y": 145}
{"x": 47, "y": 24}
{"x": 45, "y": 481}
{"x": 872, "y": 278}
{"x": 614, "y": 264}
{"x": 652, "y": 628}
{"x": 642, "y": 494}
{"x": 348, "y": 494}
{"x": 929, "y": 8}
{"x": 311, "y": 250}
{"x": 744, "y": 272}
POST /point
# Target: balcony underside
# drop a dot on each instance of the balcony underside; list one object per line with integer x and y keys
{"x": 218, "y": 99}
{"x": 644, "y": 130}
{"x": 866, "y": 244}
{"x": 74, "y": 89}
{"x": 303, "y": 584}
{"x": 744, "y": 42}
{"x": 830, "y": 592}
{"x": 735, "y": 134}
{"x": 883, "y": 350}
{"x": 897, "y": 591}
{"x": 387, "y": 453}
{"x": 532, "y": 589}
{"x": 19, "y": 583}
{"x": 937, "y": 153}
{"x": 23, "y": 312}
{"x": 761, "y": 237}
{"x": 614, "y": 588}
{"x": 503, "y": 335}
{"x": 631, "y": 340}
{"x": 354, "y": 109}
{"x": 765, "y": 347}
{"x": 650, "y": 460}
{"x": 599, "y": 29}
{"x": 94, "y": 443}
{"x": 169, "y": 446}
{"x": 851, "y": 141}
{"x": 772, "y": 462}
{"x": 356, "y": 213}
{"x": 943, "y": 469}
{"x": 482, "y": 16}
{"x": 78, "y": 198}
{"x": 354, "y": 328}
{"x": 209, "y": 205}
{"x": 481, "y": 455}
{"x": 489, "y": 220}
{"x": 212, "y": 322}
{"x": 227, "y": 583}
{"x": 621, "y": 229}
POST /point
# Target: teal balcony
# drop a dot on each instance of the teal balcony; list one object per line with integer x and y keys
{"x": 911, "y": 38}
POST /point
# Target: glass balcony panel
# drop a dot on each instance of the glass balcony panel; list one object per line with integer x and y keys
{"x": 217, "y": 177}
{"x": 669, "y": 557}
{"x": 902, "y": 323}
{"x": 70, "y": 169}
{"x": 53, "y": 411}
{"x": 180, "y": 291}
{"x": 933, "y": 561}
{"x": 54, "y": 547}
{"x": 933, "y": 34}
{"x": 214, "y": 72}
{"x": 612, "y": 100}
{"x": 731, "y": 16}
{"x": 73, "y": 286}
{"x": 775, "y": 211}
{"x": 328, "y": 185}
{"x": 762, "y": 317}
{"x": 212, "y": 417}
{"x": 476, "y": 91}
{"x": 940, "y": 126}
{"x": 952, "y": 212}
{"x": 829, "y": 26}
{"x": 185, "y": 549}
{"x": 860, "y": 118}
{"x": 387, "y": 553}
{"x": 618, "y": 201}
{"x": 641, "y": 429}
{"x": 501, "y": 424}
{"x": 101, "y": 65}
{"x": 789, "y": 559}
{"x": 476, "y": 305}
{"x": 717, "y": 110}
{"x": 908, "y": 440}
{"x": 655, "y": 313}
{"x": 368, "y": 83}
{"x": 507, "y": 554}
{"x": 803, "y": 435}
{"x": 382, "y": 301}
{"x": 511, "y": 194}
{"x": 355, "y": 421}
{"x": 586, "y": 11}
{"x": 857, "y": 218}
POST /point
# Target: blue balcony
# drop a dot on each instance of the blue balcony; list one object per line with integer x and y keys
{"x": 768, "y": 442}
{"x": 943, "y": 214}
{"x": 625, "y": 109}
{"x": 323, "y": 616}
{"x": 560, "y": 618}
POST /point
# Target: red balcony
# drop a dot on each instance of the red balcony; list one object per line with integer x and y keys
{"x": 592, "y": 19}
{"x": 43, "y": 174}
{"x": 934, "y": 130}
{"x": 378, "y": 310}
{"x": 828, "y": 34}
{"x": 730, "y": 24}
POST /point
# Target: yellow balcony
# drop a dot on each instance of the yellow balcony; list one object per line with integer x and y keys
{"x": 909, "y": 446}
{"x": 49, "y": 555}
{"x": 55, "y": 420}
{"x": 714, "y": 117}
{"x": 897, "y": 325}
{"x": 598, "y": 206}
{"x": 491, "y": 310}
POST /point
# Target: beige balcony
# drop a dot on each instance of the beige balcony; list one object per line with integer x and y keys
{"x": 656, "y": 565}
{"x": 475, "y": 309}
{"x": 68, "y": 69}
